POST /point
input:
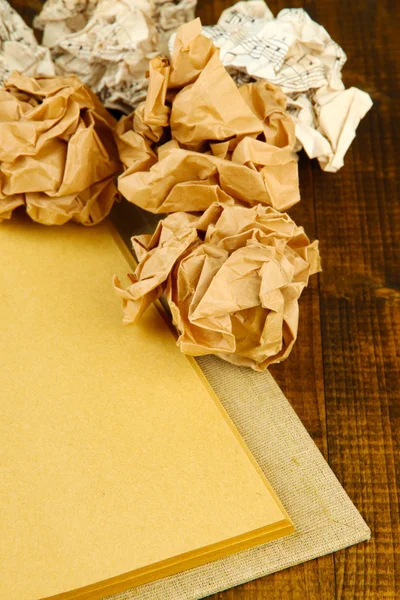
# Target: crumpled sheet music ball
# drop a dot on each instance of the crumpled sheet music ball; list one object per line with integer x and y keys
{"x": 108, "y": 43}
{"x": 198, "y": 139}
{"x": 58, "y": 157}
{"x": 232, "y": 279}
{"x": 19, "y": 49}
{"x": 297, "y": 54}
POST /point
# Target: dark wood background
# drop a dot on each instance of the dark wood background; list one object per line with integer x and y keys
{"x": 343, "y": 376}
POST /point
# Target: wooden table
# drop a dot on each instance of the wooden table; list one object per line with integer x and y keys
{"x": 343, "y": 375}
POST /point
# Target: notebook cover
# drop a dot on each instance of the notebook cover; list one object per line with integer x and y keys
{"x": 325, "y": 518}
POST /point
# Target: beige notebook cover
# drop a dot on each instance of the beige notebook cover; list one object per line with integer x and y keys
{"x": 325, "y": 518}
{"x": 118, "y": 464}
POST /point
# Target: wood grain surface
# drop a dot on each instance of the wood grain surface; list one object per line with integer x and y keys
{"x": 342, "y": 378}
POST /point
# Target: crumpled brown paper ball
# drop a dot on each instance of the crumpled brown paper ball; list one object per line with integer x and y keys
{"x": 57, "y": 153}
{"x": 232, "y": 279}
{"x": 199, "y": 139}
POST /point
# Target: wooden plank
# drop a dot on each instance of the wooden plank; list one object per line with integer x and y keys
{"x": 358, "y": 223}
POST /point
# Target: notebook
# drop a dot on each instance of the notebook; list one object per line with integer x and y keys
{"x": 118, "y": 464}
